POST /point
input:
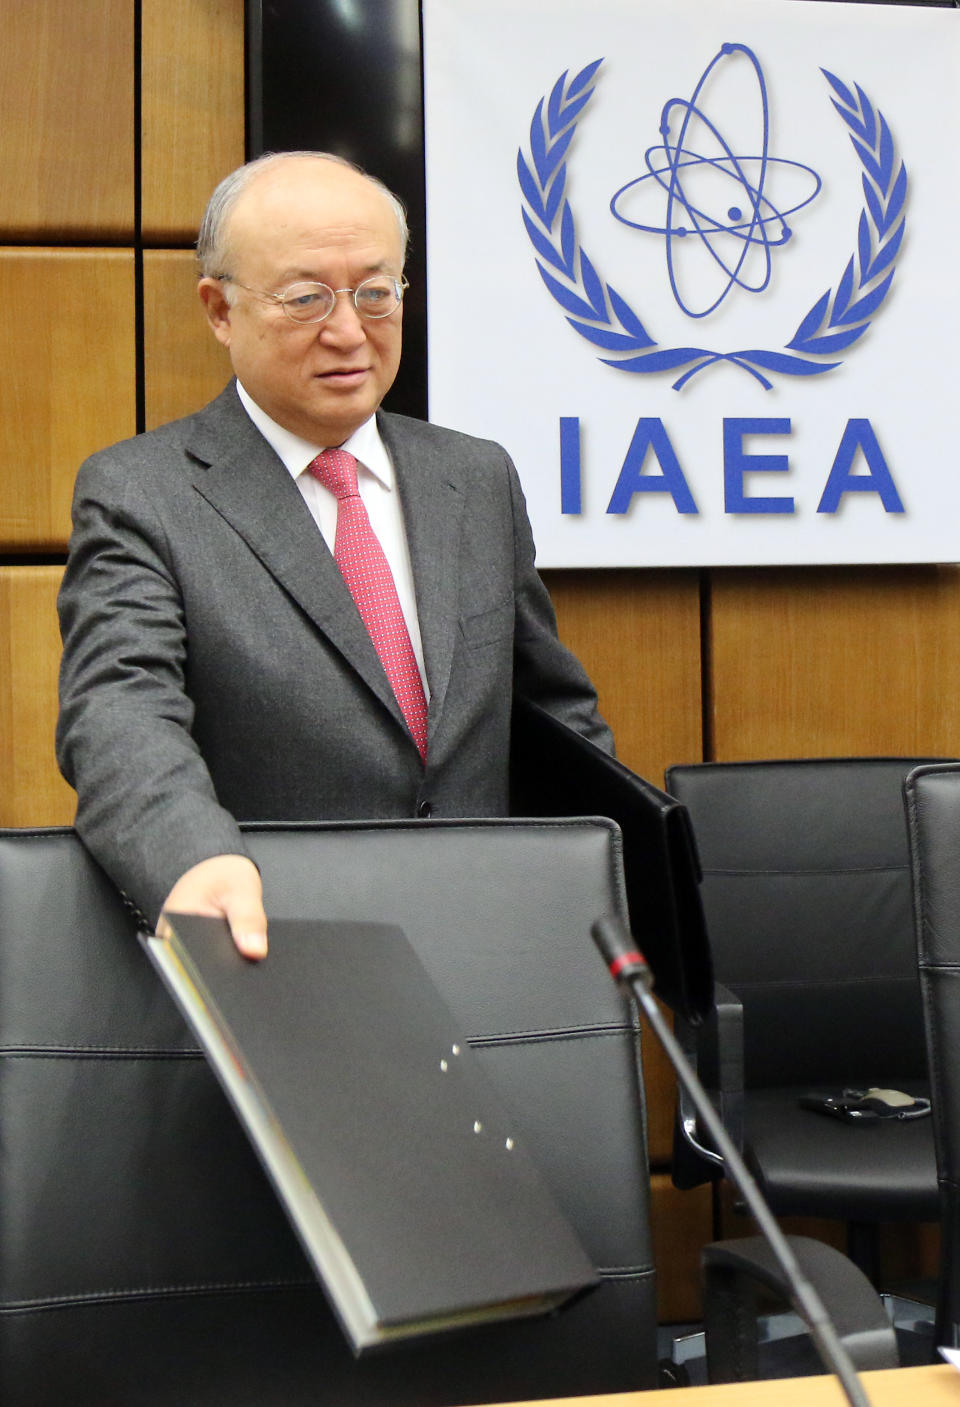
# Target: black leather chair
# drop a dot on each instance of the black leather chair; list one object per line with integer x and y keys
{"x": 806, "y": 890}
{"x": 933, "y": 815}
{"x": 143, "y": 1256}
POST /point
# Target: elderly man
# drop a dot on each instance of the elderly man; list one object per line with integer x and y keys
{"x": 290, "y": 606}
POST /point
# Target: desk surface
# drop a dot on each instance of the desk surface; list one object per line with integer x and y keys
{"x": 937, "y": 1386}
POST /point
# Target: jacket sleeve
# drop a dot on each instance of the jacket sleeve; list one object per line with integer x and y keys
{"x": 146, "y": 804}
{"x": 545, "y": 671}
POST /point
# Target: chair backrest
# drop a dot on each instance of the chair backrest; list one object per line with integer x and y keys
{"x": 806, "y": 890}
{"x": 555, "y": 771}
{"x": 143, "y": 1256}
{"x": 932, "y": 797}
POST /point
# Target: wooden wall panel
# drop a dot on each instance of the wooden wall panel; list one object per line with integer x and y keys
{"x": 67, "y": 98}
{"x": 32, "y": 792}
{"x": 825, "y": 662}
{"x": 184, "y": 364}
{"x": 68, "y": 384}
{"x": 638, "y": 634}
{"x": 680, "y": 1223}
{"x": 192, "y": 128}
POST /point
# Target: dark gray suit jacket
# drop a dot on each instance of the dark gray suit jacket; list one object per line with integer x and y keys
{"x": 216, "y": 669}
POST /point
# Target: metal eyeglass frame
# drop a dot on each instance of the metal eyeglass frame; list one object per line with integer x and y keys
{"x": 400, "y": 284}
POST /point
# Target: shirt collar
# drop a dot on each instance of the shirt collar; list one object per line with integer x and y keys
{"x": 296, "y": 453}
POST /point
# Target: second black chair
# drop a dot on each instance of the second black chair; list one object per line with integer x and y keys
{"x": 806, "y": 890}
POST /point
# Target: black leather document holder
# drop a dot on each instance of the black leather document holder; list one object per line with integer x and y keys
{"x": 407, "y": 1181}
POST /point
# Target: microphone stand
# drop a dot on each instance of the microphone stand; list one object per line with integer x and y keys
{"x": 629, "y": 967}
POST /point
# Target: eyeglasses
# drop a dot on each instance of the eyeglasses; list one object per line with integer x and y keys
{"x": 376, "y": 297}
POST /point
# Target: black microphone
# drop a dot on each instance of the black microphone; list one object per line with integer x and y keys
{"x": 628, "y": 966}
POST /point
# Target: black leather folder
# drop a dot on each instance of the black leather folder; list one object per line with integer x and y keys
{"x": 555, "y": 771}
{"x": 405, "y": 1178}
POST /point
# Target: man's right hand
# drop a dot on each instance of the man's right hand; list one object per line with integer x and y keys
{"x": 225, "y": 886}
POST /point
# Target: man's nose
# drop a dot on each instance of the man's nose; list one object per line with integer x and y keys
{"x": 343, "y": 325}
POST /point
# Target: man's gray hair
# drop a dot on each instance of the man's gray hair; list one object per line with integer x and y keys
{"x": 212, "y": 240}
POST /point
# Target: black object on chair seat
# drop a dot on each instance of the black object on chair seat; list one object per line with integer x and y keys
{"x": 879, "y": 1171}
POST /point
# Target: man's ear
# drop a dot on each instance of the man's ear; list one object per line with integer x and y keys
{"x": 216, "y": 307}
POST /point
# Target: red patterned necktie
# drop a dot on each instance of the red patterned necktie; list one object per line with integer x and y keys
{"x": 365, "y": 569}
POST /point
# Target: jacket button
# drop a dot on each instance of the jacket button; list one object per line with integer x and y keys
{"x": 425, "y": 809}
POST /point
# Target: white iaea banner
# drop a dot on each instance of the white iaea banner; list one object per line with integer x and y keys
{"x": 694, "y": 263}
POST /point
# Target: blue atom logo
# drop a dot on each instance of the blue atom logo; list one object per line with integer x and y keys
{"x": 699, "y": 173}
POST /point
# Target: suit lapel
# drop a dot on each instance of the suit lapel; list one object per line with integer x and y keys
{"x": 432, "y": 501}
{"x": 243, "y": 480}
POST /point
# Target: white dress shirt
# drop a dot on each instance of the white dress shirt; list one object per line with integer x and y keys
{"x": 377, "y": 483}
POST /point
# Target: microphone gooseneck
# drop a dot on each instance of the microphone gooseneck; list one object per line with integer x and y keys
{"x": 628, "y": 966}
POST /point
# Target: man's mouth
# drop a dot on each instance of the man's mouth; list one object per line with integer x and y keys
{"x": 343, "y": 374}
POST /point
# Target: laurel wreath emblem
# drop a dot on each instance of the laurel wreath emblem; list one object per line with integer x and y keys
{"x": 598, "y": 312}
